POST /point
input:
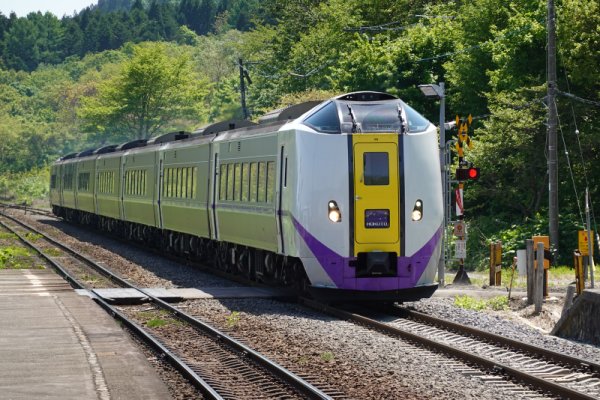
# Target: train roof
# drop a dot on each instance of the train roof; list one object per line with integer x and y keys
{"x": 223, "y": 126}
{"x": 270, "y": 121}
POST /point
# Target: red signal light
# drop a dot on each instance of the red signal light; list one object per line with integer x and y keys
{"x": 473, "y": 173}
{"x": 467, "y": 174}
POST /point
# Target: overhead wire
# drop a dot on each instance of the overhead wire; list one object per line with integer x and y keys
{"x": 569, "y": 164}
{"x": 579, "y": 99}
{"x": 585, "y": 175}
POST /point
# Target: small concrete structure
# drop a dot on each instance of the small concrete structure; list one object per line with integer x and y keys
{"x": 581, "y": 322}
{"x": 55, "y": 344}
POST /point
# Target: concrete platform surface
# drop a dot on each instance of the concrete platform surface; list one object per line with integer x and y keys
{"x": 56, "y": 344}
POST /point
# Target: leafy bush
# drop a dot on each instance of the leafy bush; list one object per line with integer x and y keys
{"x": 25, "y": 187}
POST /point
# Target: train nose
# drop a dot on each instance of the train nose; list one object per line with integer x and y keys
{"x": 376, "y": 263}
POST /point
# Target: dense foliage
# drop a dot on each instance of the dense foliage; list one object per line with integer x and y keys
{"x": 69, "y": 84}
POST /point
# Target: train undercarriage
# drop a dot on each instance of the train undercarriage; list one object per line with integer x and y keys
{"x": 253, "y": 264}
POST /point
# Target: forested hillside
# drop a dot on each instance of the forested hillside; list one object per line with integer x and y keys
{"x": 45, "y": 39}
{"x": 63, "y": 82}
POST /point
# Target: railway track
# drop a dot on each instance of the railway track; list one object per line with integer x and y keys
{"x": 228, "y": 369}
{"x": 548, "y": 373}
{"x": 497, "y": 360}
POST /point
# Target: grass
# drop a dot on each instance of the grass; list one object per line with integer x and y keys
{"x": 156, "y": 322}
{"x": 33, "y": 237}
{"x": 233, "y": 319}
{"x": 90, "y": 279}
{"x": 13, "y": 257}
{"x": 327, "y": 356}
{"x": 497, "y": 303}
{"x": 157, "y": 318}
{"x": 8, "y": 235}
{"x": 52, "y": 252}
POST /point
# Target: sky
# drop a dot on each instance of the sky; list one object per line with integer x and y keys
{"x": 56, "y": 7}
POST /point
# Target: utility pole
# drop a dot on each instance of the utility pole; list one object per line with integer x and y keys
{"x": 433, "y": 91}
{"x": 243, "y": 75}
{"x": 552, "y": 122}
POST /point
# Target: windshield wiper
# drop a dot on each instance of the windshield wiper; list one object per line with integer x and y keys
{"x": 401, "y": 119}
{"x": 355, "y": 128}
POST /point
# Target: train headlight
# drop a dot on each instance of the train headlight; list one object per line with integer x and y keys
{"x": 417, "y": 212}
{"x": 335, "y": 215}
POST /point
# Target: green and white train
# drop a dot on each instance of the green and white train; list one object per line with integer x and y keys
{"x": 342, "y": 197}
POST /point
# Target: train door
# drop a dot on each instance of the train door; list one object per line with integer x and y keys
{"x": 215, "y": 179}
{"x": 60, "y": 178}
{"x": 376, "y": 194}
{"x": 158, "y": 192}
{"x": 279, "y": 191}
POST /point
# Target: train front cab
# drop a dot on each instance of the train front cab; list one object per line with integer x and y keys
{"x": 390, "y": 256}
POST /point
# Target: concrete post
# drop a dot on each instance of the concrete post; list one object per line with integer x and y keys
{"x": 568, "y": 299}
{"x": 539, "y": 279}
{"x": 529, "y": 265}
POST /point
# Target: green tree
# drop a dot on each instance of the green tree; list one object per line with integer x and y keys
{"x": 154, "y": 90}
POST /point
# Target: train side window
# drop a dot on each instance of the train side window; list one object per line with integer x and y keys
{"x": 138, "y": 189}
{"x": 83, "y": 181}
{"x": 177, "y": 187}
{"x": 167, "y": 182}
{"x": 376, "y": 169}
{"x": 134, "y": 182}
{"x": 238, "y": 182}
{"x": 194, "y": 182}
{"x": 325, "y": 120}
{"x": 223, "y": 182}
{"x": 184, "y": 183}
{"x": 144, "y": 183}
{"x": 190, "y": 183}
{"x": 171, "y": 182}
{"x": 230, "y": 181}
{"x": 253, "y": 182}
{"x": 262, "y": 182}
{"x": 53, "y": 181}
{"x": 270, "y": 181}
{"x": 245, "y": 181}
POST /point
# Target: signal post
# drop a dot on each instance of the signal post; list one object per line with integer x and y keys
{"x": 464, "y": 172}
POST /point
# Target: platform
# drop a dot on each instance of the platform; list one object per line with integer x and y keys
{"x": 121, "y": 296}
{"x": 56, "y": 344}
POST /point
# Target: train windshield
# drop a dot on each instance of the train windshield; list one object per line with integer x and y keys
{"x": 380, "y": 117}
{"x": 354, "y": 117}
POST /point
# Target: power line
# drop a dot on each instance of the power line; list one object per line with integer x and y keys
{"x": 579, "y": 99}
{"x": 569, "y": 164}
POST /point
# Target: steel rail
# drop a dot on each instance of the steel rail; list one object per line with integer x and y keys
{"x": 564, "y": 359}
{"x": 497, "y": 368}
{"x": 175, "y": 361}
{"x": 283, "y": 374}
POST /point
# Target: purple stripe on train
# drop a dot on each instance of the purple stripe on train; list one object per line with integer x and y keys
{"x": 342, "y": 274}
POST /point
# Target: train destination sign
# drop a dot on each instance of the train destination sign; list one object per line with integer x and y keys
{"x": 377, "y": 219}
